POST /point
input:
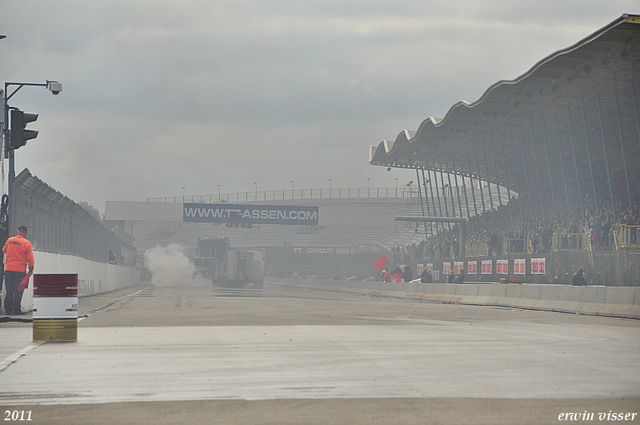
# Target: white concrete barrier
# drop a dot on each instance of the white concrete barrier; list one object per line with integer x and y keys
{"x": 569, "y": 299}
{"x": 498, "y": 294}
{"x": 617, "y": 302}
{"x": 530, "y": 296}
{"x": 549, "y": 296}
{"x": 512, "y": 295}
{"x": 93, "y": 278}
{"x": 484, "y": 294}
{"x": 594, "y": 300}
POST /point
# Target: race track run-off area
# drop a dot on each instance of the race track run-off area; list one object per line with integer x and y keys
{"x": 276, "y": 355}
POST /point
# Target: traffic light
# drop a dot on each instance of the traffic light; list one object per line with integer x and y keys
{"x": 19, "y": 133}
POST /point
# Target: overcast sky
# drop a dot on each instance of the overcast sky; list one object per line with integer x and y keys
{"x": 160, "y": 95}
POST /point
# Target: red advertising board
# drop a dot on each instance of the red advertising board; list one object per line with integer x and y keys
{"x": 538, "y": 266}
{"x": 487, "y": 266}
{"x": 502, "y": 266}
{"x": 472, "y": 267}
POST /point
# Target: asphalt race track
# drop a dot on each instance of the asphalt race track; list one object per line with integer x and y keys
{"x": 175, "y": 355}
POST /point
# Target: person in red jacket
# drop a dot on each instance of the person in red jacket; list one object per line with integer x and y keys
{"x": 18, "y": 255}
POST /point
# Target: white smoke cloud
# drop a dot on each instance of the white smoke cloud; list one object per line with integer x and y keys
{"x": 171, "y": 267}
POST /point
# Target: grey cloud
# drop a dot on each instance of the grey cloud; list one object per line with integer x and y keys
{"x": 162, "y": 94}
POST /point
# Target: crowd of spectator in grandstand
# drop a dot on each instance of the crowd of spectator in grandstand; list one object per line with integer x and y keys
{"x": 517, "y": 220}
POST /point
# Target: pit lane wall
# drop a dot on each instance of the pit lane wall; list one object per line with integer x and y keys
{"x": 615, "y": 301}
{"x": 93, "y": 277}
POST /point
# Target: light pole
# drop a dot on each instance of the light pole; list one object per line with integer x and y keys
{"x": 256, "y": 185}
{"x": 329, "y": 188}
{"x": 293, "y": 189}
{"x": 55, "y": 88}
{"x": 219, "y": 197}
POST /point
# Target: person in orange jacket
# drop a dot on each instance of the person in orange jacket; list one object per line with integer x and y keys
{"x": 18, "y": 255}
{"x": 396, "y": 275}
{"x": 386, "y": 275}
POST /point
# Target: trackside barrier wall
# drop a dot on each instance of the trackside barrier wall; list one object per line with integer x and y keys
{"x": 616, "y": 301}
{"x": 93, "y": 277}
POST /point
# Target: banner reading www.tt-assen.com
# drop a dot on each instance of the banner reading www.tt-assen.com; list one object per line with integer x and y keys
{"x": 254, "y": 214}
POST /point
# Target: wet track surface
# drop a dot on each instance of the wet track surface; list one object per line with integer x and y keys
{"x": 319, "y": 350}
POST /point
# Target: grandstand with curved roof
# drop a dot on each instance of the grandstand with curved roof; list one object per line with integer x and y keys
{"x": 555, "y": 151}
{"x": 565, "y": 132}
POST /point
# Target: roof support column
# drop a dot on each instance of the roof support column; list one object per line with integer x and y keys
{"x": 426, "y": 197}
{"x": 473, "y": 192}
{"x": 515, "y": 168}
{"x": 546, "y": 148}
{"x": 526, "y": 174}
{"x": 431, "y": 178}
{"x": 466, "y": 198}
{"x": 564, "y": 176}
{"x": 586, "y": 139}
{"x": 635, "y": 108}
{"x": 444, "y": 196}
{"x": 435, "y": 178}
{"x": 535, "y": 159}
{"x": 495, "y": 170}
{"x": 455, "y": 173}
{"x": 624, "y": 160}
{"x": 484, "y": 208}
{"x": 606, "y": 159}
{"x": 506, "y": 178}
{"x": 421, "y": 203}
{"x": 453, "y": 202}
{"x": 575, "y": 163}
{"x": 486, "y": 171}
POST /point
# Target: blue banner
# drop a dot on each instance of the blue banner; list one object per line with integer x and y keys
{"x": 250, "y": 214}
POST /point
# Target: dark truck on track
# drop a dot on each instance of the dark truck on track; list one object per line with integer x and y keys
{"x": 215, "y": 260}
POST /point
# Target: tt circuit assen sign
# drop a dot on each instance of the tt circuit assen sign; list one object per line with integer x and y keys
{"x": 250, "y": 214}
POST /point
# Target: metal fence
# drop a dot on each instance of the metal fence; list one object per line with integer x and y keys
{"x": 405, "y": 191}
{"x": 58, "y": 225}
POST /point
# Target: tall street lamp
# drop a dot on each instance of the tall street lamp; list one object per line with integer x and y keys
{"x": 20, "y": 135}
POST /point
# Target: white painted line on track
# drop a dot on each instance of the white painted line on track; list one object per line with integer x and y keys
{"x": 15, "y": 356}
{"x": 20, "y": 353}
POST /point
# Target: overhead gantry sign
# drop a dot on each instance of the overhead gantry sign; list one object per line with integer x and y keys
{"x": 245, "y": 214}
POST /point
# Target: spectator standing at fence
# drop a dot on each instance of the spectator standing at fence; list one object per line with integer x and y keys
{"x": 18, "y": 255}
{"x": 407, "y": 274}
{"x": 426, "y": 276}
{"x": 578, "y": 279}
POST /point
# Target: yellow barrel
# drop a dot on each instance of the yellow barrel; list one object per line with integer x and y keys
{"x": 55, "y": 329}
